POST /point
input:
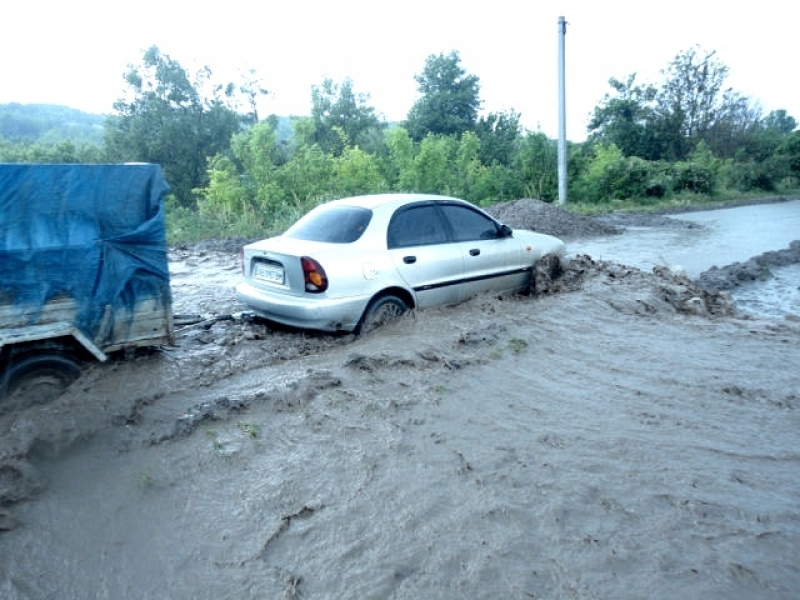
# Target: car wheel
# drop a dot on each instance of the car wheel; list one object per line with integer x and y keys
{"x": 36, "y": 378}
{"x": 380, "y": 311}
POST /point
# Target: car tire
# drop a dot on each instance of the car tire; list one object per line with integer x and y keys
{"x": 36, "y": 379}
{"x": 380, "y": 311}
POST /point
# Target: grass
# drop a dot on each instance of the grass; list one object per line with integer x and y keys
{"x": 249, "y": 429}
{"x": 216, "y": 443}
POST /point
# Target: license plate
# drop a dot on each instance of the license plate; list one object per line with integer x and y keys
{"x": 270, "y": 273}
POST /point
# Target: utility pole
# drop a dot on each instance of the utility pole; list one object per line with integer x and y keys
{"x": 562, "y": 116}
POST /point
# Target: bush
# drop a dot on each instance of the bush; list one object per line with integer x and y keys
{"x": 750, "y": 175}
{"x": 610, "y": 175}
{"x": 694, "y": 178}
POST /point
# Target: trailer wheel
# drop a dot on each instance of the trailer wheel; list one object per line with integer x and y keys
{"x": 36, "y": 378}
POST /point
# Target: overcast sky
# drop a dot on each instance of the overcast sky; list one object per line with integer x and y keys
{"x": 75, "y": 52}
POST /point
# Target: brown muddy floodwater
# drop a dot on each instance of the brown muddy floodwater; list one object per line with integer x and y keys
{"x": 622, "y": 437}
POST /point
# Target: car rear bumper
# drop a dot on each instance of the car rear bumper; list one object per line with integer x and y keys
{"x": 304, "y": 312}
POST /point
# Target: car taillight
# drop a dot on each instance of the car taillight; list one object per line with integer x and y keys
{"x": 314, "y": 275}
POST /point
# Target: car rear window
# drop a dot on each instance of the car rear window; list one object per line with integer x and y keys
{"x": 332, "y": 224}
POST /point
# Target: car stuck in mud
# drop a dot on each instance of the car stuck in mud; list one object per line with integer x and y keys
{"x": 350, "y": 264}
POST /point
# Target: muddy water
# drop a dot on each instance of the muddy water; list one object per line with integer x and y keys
{"x": 589, "y": 444}
{"x": 722, "y": 237}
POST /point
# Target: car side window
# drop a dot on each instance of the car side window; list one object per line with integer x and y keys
{"x": 416, "y": 226}
{"x": 468, "y": 224}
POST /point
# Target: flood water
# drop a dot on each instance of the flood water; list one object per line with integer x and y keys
{"x": 723, "y": 237}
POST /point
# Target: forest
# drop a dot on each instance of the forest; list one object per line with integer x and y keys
{"x": 683, "y": 140}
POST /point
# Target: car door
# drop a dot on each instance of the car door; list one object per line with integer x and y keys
{"x": 427, "y": 259}
{"x": 492, "y": 256}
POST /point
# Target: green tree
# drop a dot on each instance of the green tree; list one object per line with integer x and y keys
{"x": 694, "y": 106}
{"x": 611, "y": 175}
{"x": 342, "y": 118}
{"x": 780, "y": 121}
{"x": 699, "y": 173}
{"x": 499, "y": 134}
{"x": 399, "y": 157}
{"x": 431, "y": 169}
{"x": 472, "y": 177}
{"x": 174, "y": 121}
{"x": 241, "y": 193}
{"x": 765, "y": 136}
{"x": 537, "y": 165}
{"x": 449, "y": 101}
{"x": 625, "y": 119}
{"x": 358, "y": 172}
{"x": 790, "y": 150}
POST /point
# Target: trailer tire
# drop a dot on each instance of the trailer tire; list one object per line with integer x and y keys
{"x": 36, "y": 379}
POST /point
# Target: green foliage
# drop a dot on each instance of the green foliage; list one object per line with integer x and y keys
{"x": 234, "y": 175}
{"x": 790, "y": 149}
{"x": 536, "y": 167}
{"x": 399, "y": 157}
{"x": 750, "y": 175}
{"x": 341, "y": 117}
{"x": 174, "y": 121}
{"x": 227, "y": 197}
{"x": 690, "y": 106}
{"x": 449, "y": 100}
{"x": 499, "y": 135}
{"x": 688, "y": 176}
{"x": 429, "y": 170}
{"x": 470, "y": 172}
{"x": 266, "y": 179}
{"x": 610, "y": 175}
{"x": 357, "y": 172}
{"x": 626, "y": 120}
{"x": 270, "y": 189}
{"x": 42, "y": 152}
{"x": 692, "y": 92}
{"x": 698, "y": 175}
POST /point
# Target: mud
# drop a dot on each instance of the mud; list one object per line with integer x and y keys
{"x": 547, "y": 218}
{"x": 758, "y": 268}
{"x": 616, "y": 433}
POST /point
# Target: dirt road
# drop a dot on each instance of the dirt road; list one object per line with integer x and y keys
{"x": 620, "y": 436}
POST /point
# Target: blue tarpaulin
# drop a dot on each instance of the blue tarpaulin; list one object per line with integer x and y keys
{"x": 93, "y": 233}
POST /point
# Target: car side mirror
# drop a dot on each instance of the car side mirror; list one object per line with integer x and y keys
{"x": 506, "y": 231}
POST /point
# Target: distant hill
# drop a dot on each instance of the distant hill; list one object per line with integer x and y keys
{"x": 49, "y": 123}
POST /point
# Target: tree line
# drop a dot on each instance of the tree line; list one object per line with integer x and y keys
{"x": 231, "y": 171}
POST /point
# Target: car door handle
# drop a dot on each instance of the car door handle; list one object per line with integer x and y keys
{"x": 474, "y": 252}
{"x": 409, "y": 260}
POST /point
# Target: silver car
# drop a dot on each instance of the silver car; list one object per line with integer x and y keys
{"x": 350, "y": 264}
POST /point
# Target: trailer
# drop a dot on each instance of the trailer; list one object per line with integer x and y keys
{"x": 83, "y": 271}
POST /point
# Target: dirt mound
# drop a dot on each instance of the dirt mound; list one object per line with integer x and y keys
{"x": 635, "y": 291}
{"x": 643, "y": 219}
{"x": 536, "y": 215}
{"x": 755, "y": 269}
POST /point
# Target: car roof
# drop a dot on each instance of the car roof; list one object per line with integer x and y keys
{"x": 372, "y": 201}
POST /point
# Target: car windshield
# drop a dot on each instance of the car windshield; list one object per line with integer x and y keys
{"x": 332, "y": 224}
